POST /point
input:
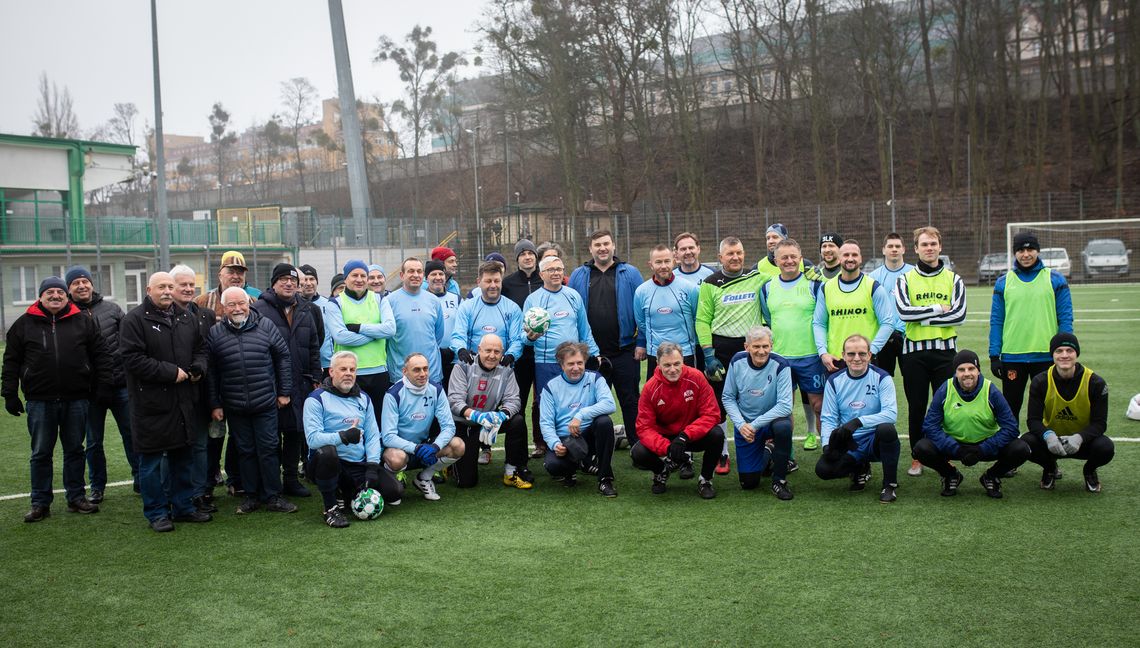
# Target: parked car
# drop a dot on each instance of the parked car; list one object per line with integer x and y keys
{"x": 947, "y": 262}
{"x": 1056, "y": 258}
{"x": 992, "y": 266}
{"x": 1106, "y": 257}
{"x": 872, "y": 264}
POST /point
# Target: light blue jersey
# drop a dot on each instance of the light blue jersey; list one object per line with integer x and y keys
{"x": 406, "y": 419}
{"x": 418, "y": 321}
{"x": 757, "y": 395}
{"x": 323, "y": 304}
{"x": 328, "y": 412}
{"x": 563, "y": 401}
{"x": 476, "y": 318}
{"x": 869, "y": 398}
{"x": 697, "y": 276}
{"x": 567, "y": 322}
{"x": 888, "y": 279}
{"x": 449, "y": 303}
{"x": 666, "y": 314}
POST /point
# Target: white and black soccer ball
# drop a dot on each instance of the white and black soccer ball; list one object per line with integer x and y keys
{"x": 368, "y": 504}
{"x": 1134, "y": 408}
{"x": 536, "y": 320}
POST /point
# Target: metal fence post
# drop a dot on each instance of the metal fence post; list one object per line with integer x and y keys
{"x": 929, "y": 212}
{"x": 716, "y": 221}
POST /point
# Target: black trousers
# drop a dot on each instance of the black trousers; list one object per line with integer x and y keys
{"x": 710, "y": 445}
{"x": 923, "y": 373}
{"x": 524, "y": 378}
{"x": 446, "y": 363}
{"x": 651, "y": 365}
{"x": 514, "y": 442}
{"x": 887, "y": 357}
{"x": 625, "y": 379}
{"x": 724, "y": 348}
{"x": 884, "y": 449}
{"x": 375, "y": 385}
{"x": 333, "y": 474}
{"x": 1011, "y": 455}
{"x": 1015, "y": 376}
{"x": 1096, "y": 453}
{"x": 292, "y": 438}
{"x": 600, "y": 438}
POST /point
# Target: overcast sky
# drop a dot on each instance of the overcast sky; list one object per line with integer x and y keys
{"x": 234, "y": 51}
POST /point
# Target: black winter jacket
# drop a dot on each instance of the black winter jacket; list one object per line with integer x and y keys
{"x": 303, "y": 337}
{"x": 108, "y": 315}
{"x": 153, "y": 348}
{"x": 55, "y": 357}
{"x": 517, "y": 286}
{"x": 250, "y": 366}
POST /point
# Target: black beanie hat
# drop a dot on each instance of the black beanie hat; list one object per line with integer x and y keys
{"x": 337, "y": 281}
{"x": 282, "y": 270}
{"x": 434, "y": 265}
{"x": 966, "y": 356}
{"x": 308, "y": 271}
{"x": 1025, "y": 241}
{"x": 831, "y": 237}
{"x": 1065, "y": 340}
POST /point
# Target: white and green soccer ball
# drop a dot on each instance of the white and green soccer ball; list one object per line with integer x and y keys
{"x": 536, "y": 320}
{"x": 368, "y": 504}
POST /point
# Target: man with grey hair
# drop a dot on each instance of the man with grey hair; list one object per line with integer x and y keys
{"x": 185, "y": 287}
{"x": 728, "y": 305}
{"x": 164, "y": 355}
{"x": 484, "y": 398}
{"x": 758, "y": 399}
{"x": 251, "y": 378}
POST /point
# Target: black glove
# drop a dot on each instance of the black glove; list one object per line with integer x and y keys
{"x": 372, "y": 475}
{"x": 14, "y": 406}
{"x": 995, "y": 366}
{"x": 350, "y": 436}
{"x": 507, "y": 361}
{"x": 840, "y": 442}
{"x": 851, "y": 426}
{"x": 969, "y": 453}
{"x": 604, "y": 365}
{"x": 355, "y": 328}
{"x": 592, "y": 363}
{"x": 677, "y": 448}
{"x": 465, "y": 356}
{"x": 196, "y": 373}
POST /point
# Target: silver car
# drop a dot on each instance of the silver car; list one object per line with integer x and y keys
{"x": 1106, "y": 257}
{"x": 992, "y": 266}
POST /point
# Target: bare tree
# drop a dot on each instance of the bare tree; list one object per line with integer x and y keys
{"x": 298, "y": 98}
{"x": 222, "y": 140}
{"x": 55, "y": 115}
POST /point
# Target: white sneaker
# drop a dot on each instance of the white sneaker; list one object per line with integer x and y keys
{"x": 427, "y": 487}
{"x": 484, "y": 457}
{"x": 620, "y": 440}
{"x": 915, "y": 469}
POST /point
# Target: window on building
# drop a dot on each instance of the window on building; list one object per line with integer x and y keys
{"x": 28, "y": 284}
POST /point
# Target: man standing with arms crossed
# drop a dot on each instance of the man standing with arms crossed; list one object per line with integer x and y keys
{"x": 888, "y": 275}
{"x": 932, "y": 301}
{"x": 852, "y": 303}
{"x": 728, "y": 306}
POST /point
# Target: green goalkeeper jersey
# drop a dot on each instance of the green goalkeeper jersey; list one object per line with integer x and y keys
{"x": 728, "y": 306}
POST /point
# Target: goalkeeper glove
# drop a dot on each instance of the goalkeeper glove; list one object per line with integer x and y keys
{"x": 841, "y": 441}
{"x": 852, "y": 426}
{"x": 508, "y": 361}
{"x": 465, "y": 356}
{"x": 372, "y": 475}
{"x": 350, "y": 436}
{"x": 1071, "y": 444}
{"x": 1053, "y": 442}
{"x": 714, "y": 370}
{"x": 677, "y": 448}
{"x": 425, "y": 452}
{"x": 995, "y": 366}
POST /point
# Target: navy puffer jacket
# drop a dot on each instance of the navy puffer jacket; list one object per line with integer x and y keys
{"x": 249, "y": 366}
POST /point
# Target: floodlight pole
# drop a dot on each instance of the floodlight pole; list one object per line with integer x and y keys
{"x": 160, "y": 206}
{"x": 349, "y": 121}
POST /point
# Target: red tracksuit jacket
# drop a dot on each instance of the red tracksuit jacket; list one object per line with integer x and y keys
{"x": 667, "y": 409}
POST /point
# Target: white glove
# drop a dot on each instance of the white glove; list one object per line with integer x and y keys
{"x": 488, "y": 433}
{"x": 1071, "y": 444}
{"x": 1053, "y": 442}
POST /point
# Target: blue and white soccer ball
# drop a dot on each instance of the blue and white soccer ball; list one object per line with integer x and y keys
{"x": 368, "y": 504}
{"x": 536, "y": 320}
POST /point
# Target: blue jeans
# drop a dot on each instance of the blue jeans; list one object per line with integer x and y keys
{"x": 200, "y": 479}
{"x": 256, "y": 436}
{"x": 159, "y": 499}
{"x": 96, "y": 423}
{"x": 48, "y": 420}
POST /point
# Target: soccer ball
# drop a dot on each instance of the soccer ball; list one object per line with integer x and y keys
{"x": 368, "y": 505}
{"x": 536, "y": 320}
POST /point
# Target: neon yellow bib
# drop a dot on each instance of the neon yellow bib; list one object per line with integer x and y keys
{"x": 367, "y": 311}
{"x": 791, "y": 310}
{"x": 927, "y": 291}
{"x": 1068, "y": 416}
{"x": 969, "y": 421}
{"x": 849, "y": 313}
{"x": 1030, "y": 314}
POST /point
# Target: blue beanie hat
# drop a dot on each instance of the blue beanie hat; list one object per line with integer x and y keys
{"x": 52, "y": 282}
{"x": 354, "y": 264}
{"x": 495, "y": 256}
{"x": 377, "y": 266}
{"x": 75, "y": 272}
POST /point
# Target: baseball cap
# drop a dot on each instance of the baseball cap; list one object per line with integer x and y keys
{"x": 233, "y": 259}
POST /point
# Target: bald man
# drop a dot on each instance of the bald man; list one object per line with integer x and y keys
{"x": 164, "y": 356}
{"x": 484, "y": 397}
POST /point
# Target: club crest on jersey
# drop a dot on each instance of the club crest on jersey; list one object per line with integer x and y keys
{"x": 856, "y": 405}
{"x": 660, "y": 402}
{"x": 482, "y": 384}
{"x": 738, "y": 298}
{"x": 488, "y": 329}
{"x": 664, "y": 310}
{"x": 688, "y": 395}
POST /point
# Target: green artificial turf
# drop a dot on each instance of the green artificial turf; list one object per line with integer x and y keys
{"x": 566, "y": 567}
